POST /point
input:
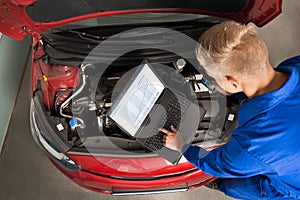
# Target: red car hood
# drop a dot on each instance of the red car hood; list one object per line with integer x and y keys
{"x": 19, "y": 18}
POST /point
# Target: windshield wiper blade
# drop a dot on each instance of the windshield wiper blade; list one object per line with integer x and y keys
{"x": 84, "y": 35}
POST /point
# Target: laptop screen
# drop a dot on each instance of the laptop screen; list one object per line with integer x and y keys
{"x": 137, "y": 99}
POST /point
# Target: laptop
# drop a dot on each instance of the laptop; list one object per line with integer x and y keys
{"x": 146, "y": 104}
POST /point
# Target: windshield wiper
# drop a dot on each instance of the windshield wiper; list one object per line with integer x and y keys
{"x": 84, "y": 35}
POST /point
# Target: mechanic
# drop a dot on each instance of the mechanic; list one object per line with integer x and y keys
{"x": 262, "y": 158}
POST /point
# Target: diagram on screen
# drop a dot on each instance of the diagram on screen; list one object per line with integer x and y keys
{"x": 141, "y": 101}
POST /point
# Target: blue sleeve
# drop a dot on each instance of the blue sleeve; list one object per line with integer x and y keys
{"x": 228, "y": 161}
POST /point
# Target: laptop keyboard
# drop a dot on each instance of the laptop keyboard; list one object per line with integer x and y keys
{"x": 175, "y": 110}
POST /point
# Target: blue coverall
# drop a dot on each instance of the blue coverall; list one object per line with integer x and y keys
{"x": 262, "y": 158}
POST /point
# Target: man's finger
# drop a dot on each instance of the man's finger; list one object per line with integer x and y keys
{"x": 166, "y": 131}
{"x": 164, "y": 140}
{"x": 173, "y": 129}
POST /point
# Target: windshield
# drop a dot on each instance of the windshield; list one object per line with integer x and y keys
{"x": 138, "y": 18}
{"x": 69, "y": 44}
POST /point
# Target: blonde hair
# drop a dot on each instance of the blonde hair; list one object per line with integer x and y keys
{"x": 230, "y": 48}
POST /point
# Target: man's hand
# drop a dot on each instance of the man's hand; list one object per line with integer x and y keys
{"x": 173, "y": 140}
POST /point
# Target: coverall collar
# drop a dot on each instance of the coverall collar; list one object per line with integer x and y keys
{"x": 264, "y": 102}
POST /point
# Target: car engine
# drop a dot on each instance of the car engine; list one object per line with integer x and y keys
{"x": 78, "y": 96}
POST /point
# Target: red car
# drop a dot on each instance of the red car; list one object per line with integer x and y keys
{"x": 82, "y": 49}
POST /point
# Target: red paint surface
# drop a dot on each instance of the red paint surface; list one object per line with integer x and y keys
{"x": 15, "y": 23}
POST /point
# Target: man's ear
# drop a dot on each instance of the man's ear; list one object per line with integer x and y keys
{"x": 233, "y": 82}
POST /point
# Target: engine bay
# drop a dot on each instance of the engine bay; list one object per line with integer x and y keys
{"x": 95, "y": 100}
{"x": 77, "y": 96}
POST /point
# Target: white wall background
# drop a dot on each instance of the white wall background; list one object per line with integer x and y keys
{"x": 13, "y": 59}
